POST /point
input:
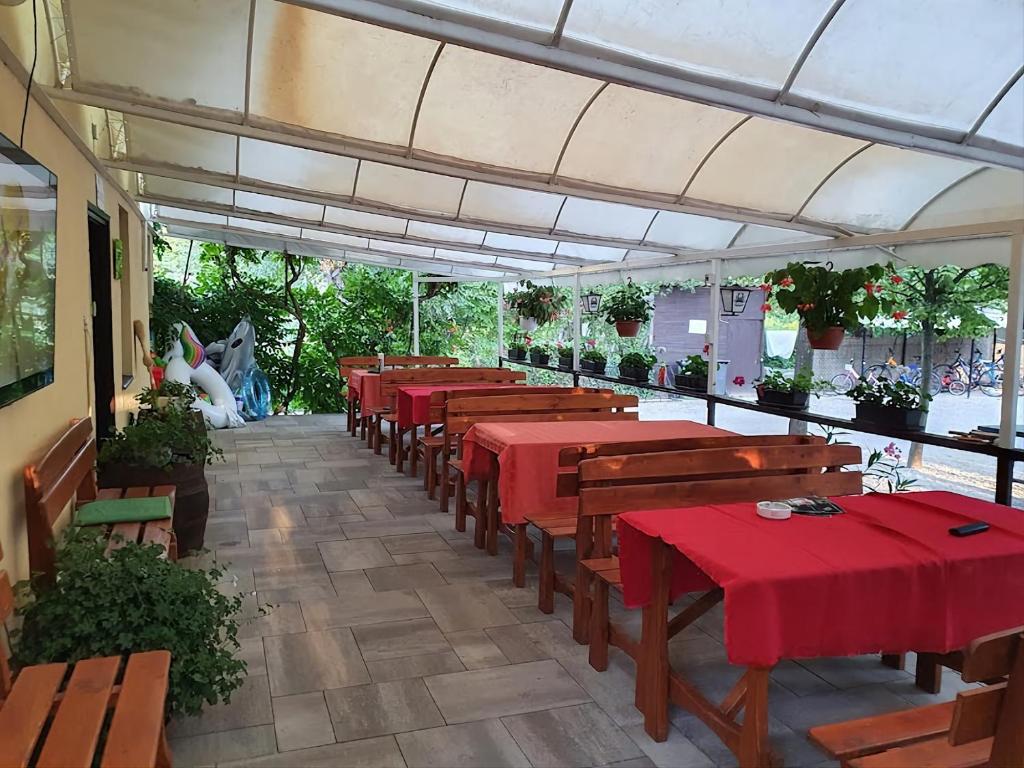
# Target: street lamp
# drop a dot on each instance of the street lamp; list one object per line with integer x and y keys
{"x": 590, "y": 303}
{"x": 734, "y": 299}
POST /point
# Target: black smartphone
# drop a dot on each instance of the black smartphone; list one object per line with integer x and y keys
{"x": 970, "y": 529}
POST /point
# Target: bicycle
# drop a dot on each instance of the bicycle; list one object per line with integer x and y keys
{"x": 843, "y": 382}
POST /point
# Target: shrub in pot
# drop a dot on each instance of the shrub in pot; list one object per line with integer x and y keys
{"x": 517, "y": 350}
{"x": 886, "y": 403}
{"x": 165, "y": 444}
{"x": 692, "y": 374}
{"x": 636, "y": 366}
{"x": 627, "y": 308}
{"x": 134, "y": 600}
{"x": 829, "y": 302}
{"x": 540, "y": 354}
{"x": 565, "y": 356}
{"x": 787, "y": 392}
{"x": 536, "y": 305}
{"x": 593, "y": 361}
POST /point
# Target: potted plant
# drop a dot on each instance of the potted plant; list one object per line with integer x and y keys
{"x": 540, "y": 354}
{"x": 129, "y": 600}
{"x": 627, "y": 308}
{"x": 692, "y": 374}
{"x": 165, "y": 444}
{"x": 829, "y": 302}
{"x": 593, "y": 361}
{"x": 636, "y": 366}
{"x": 565, "y": 358}
{"x": 536, "y": 305}
{"x": 784, "y": 391}
{"x": 517, "y": 350}
{"x": 886, "y": 403}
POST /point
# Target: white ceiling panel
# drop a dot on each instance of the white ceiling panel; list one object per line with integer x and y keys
{"x": 302, "y": 169}
{"x": 409, "y": 189}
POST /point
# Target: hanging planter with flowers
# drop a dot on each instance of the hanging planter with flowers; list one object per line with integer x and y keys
{"x": 829, "y": 302}
{"x": 536, "y": 305}
{"x": 627, "y": 308}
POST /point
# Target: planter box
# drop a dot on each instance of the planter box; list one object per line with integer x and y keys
{"x": 539, "y": 359}
{"x": 901, "y": 419}
{"x": 517, "y": 354}
{"x": 593, "y": 366}
{"x": 794, "y": 400}
{"x": 693, "y": 383}
{"x": 191, "y": 496}
{"x": 634, "y": 374}
{"x": 565, "y": 363}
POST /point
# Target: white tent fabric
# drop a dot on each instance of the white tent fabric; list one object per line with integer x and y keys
{"x": 544, "y": 135}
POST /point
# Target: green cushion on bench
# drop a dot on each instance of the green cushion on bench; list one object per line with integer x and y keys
{"x": 124, "y": 510}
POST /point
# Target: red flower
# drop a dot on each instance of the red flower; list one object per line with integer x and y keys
{"x": 869, "y": 287}
{"x": 895, "y": 279}
{"x": 739, "y": 381}
{"x": 766, "y": 287}
{"x": 707, "y": 348}
{"x": 528, "y": 339}
{"x": 786, "y": 282}
{"x": 766, "y": 307}
{"x": 899, "y": 315}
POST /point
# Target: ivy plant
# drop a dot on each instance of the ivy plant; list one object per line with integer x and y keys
{"x": 131, "y": 601}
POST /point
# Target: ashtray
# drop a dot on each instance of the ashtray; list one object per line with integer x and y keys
{"x": 774, "y": 510}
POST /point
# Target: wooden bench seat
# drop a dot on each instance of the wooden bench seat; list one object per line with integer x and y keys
{"x": 934, "y": 753}
{"x": 67, "y": 473}
{"x": 852, "y": 739}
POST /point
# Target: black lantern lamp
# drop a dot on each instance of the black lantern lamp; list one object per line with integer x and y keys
{"x": 734, "y": 299}
{"x": 590, "y": 303}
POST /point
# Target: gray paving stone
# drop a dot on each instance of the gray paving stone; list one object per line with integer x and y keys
{"x": 212, "y": 748}
{"x": 415, "y": 542}
{"x": 675, "y": 752}
{"x": 295, "y": 594}
{"x": 470, "y": 745}
{"x": 803, "y": 712}
{"x": 465, "y": 606}
{"x": 854, "y": 671}
{"x": 404, "y": 577}
{"x": 378, "y": 528}
{"x": 291, "y": 576}
{"x": 392, "y": 640}
{"x": 251, "y": 652}
{"x": 435, "y": 556}
{"x": 277, "y": 619}
{"x": 501, "y": 691}
{"x": 249, "y": 706}
{"x": 414, "y": 666}
{"x": 347, "y": 583}
{"x": 579, "y": 736}
{"x": 614, "y": 689}
{"x": 363, "y": 711}
{"x": 302, "y": 721}
{"x": 354, "y": 555}
{"x": 515, "y": 644}
{"x": 356, "y": 609}
{"x": 275, "y": 517}
{"x": 381, "y": 752}
{"x": 475, "y": 649}
{"x": 268, "y": 557}
{"x": 314, "y": 661}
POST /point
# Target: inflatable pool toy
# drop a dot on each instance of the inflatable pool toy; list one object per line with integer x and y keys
{"x": 256, "y": 393}
{"x": 187, "y": 364}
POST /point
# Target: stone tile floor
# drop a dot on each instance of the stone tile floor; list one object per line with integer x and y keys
{"x": 391, "y": 641}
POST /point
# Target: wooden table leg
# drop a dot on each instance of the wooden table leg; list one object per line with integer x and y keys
{"x": 652, "y": 666}
{"x": 490, "y": 511}
{"x": 521, "y": 553}
{"x": 754, "y": 748}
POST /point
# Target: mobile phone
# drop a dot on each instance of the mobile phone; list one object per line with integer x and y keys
{"x": 970, "y": 529}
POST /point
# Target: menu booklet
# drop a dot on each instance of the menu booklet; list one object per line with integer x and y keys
{"x": 813, "y": 505}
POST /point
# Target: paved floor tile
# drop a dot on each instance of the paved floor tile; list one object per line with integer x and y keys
{"x": 350, "y": 582}
{"x": 465, "y": 606}
{"x": 314, "y": 661}
{"x": 381, "y": 752}
{"x": 470, "y": 745}
{"x": 302, "y": 721}
{"x": 392, "y": 640}
{"x": 223, "y": 746}
{"x": 363, "y": 711}
{"x": 277, "y": 619}
{"x": 675, "y": 752}
{"x": 291, "y": 576}
{"x": 354, "y": 555}
{"x": 411, "y": 543}
{"x": 377, "y": 528}
{"x": 275, "y": 517}
{"x": 580, "y": 736}
{"x": 404, "y": 577}
{"x": 249, "y": 706}
{"x": 414, "y": 666}
{"x": 510, "y": 690}
{"x": 356, "y": 609}
{"x": 475, "y": 649}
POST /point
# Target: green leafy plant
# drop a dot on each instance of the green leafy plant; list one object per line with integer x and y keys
{"x": 541, "y": 349}
{"x": 802, "y": 381}
{"x": 826, "y": 298}
{"x": 565, "y": 353}
{"x": 166, "y": 431}
{"x": 889, "y": 394}
{"x": 517, "y": 346}
{"x": 626, "y": 303}
{"x": 542, "y": 303}
{"x": 693, "y": 365}
{"x": 885, "y": 469}
{"x": 637, "y": 360}
{"x": 131, "y": 601}
{"x": 594, "y": 356}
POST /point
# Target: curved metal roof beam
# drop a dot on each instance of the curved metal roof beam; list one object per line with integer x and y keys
{"x": 572, "y": 131}
{"x": 707, "y": 156}
{"x": 828, "y": 176}
{"x": 563, "y": 16}
{"x": 419, "y": 101}
{"x": 993, "y": 104}
{"x": 808, "y": 47}
{"x": 941, "y": 193}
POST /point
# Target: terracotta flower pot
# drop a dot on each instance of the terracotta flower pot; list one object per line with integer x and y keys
{"x": 829, "y": 338}
{"x": 628, "y": 328}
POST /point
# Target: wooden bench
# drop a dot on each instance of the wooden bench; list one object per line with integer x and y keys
{"x": 61, "y": 717}
{"x": 580, "y": 528}
{"x": 611, "y": 485}
{"x": 983, "y": 727}
{"x": 67, "y": 472}
{"x": 463, "y": 413}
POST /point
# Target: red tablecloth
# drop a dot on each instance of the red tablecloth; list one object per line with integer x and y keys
{"x": 414, "y": 402}
{"x": 884, "y": 576}
{"x": 365, "y": 386}
{"x": 528, "y": 455}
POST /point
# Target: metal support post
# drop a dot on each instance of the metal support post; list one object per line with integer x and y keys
{"x": 714, "y": 325}
{"x": 576, "y": 323}
{"x": 501, "y": 319}
{"x": 1011, "y": 354}
{"x": 415, "y": 313}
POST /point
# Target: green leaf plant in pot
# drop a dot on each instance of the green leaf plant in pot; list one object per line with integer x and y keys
{"x": 593, "y": 361}
{"x": 692, "y": 374}
{"x": 517, "y": 350}
{"x": 166, "y": 443}
{"x": 892, "y": 404}
{"x": 564, "y": 357}
{"x": 636, "y": 366}
{"x": 783, "y": 391}
{"x": 627, "y": 308}
{"x": 829, "y": 302}
{"x": 540, "y": 354}
{"x": 536, "y": 305}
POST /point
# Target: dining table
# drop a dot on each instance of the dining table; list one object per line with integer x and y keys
{"x": 884, "y": 575}
{"x": 519, "y": 461}
{"x": 414, "y": 401}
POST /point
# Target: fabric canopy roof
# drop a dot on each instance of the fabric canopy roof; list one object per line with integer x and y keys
{"x": 493, "y": 139}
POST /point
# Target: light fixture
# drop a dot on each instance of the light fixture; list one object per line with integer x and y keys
{"x": 590, "y": 303}
{"x": 734, "y": 299}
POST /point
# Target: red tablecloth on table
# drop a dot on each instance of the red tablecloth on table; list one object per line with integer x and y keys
{"x": 365, "y": 386}
{"x": 414, "y": 401}
{"x": 884, "y": 576}
{"x": 527, "y": 454}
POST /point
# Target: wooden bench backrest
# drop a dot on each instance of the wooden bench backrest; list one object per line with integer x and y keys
{"x": 390, "y": 381}
{"x": 569, "y": 458}
{"x": 439, "y": 399}
{"x": 346, "y": 364}
{"x": 64, "y": 473}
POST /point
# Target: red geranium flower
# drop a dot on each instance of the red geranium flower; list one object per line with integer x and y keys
{"x": 869, "y": 287}
{"x": 766, "y": 307}
{"x": 786, "y": 282}
{"x": 895, "y": 279}
{"x": 899, "y": 315}
{"x": 766, "y": 287}
{"x": 739, "y": 381}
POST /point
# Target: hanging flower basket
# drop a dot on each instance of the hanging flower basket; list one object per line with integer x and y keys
{"x": 627, "y": 328}
{"x": 829, "y": 338}
{"x": 627, "y": 308}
